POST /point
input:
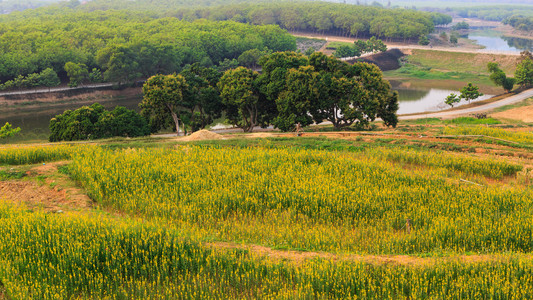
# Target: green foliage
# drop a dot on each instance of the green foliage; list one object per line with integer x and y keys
{"x": 452, "y": 99}
{"x": 47, "y": 78}
{"x": 471, "y": 121}
{"x": 124, "y": 45}
{"x": 94, "y": 122}
{"x": 520, "y": 22}
{"x": 163, "y": 96}
{"x": 499, "y": 78}
{"x": 7, "y": 131}
{"x": 423, "y": 40}
{"x": 454, "y": 39}
{"x": 250, "y": 58}
{"x": 240, "y": 94}
{"x": 461, "y": 25}
{"x": 325, "y": 88}
{"x": 77, "y": 72}
{"x": 524, "y": 72}
{"x": 470, "y": 92}
{"x": 359, "y": 47}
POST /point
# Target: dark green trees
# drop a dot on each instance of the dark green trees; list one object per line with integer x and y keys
{"x": 499, "y": 78}
{"x": 240, "y": 94}
{"x": 322, "y": 88}
{"x": 93, "y": 122}
{"x": 163, "y": 97}
{"x": 524, "y": 72}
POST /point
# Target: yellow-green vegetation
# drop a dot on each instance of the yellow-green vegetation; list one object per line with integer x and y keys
{"x": 178, "y": 206}
{"x": 20, "y": 155}
{"x": 524, "y": 137}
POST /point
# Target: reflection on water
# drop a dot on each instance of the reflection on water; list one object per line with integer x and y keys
{"x": 493, "y": 41}
{"x": 34, "y": 121}
{"x": 417, "y": 100}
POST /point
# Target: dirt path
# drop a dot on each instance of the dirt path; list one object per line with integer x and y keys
{"x": 300, "y": 257}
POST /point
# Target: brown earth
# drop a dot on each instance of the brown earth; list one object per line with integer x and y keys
{"x": 524, "y": 114}
{"x": 44, "y": 187}
{"x": 299, "y": 257}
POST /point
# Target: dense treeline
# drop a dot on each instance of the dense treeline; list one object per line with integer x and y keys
{"x": 495, "y": 12}
{"x": 520, "y": 22}
{"x": 292, "y": 89}
{"x": 354, "y": 20}
{"x": 124, "y": 45}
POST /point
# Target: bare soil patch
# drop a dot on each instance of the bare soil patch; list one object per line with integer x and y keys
{"x": 300, "y": 257}
{"x": 524, "y": 114}
{"x": 46, "y": 189}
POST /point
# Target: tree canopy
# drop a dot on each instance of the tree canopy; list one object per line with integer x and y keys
{"x": 94, "y": 122}
{"x": 123, "y": 45}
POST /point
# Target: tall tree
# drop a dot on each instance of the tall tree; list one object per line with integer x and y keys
{"x": 524, "y": 72}
{"x": 163, "y": 96}
{"x": 240, "y": 93}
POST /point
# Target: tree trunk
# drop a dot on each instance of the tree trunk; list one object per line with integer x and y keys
{"x": 176, "y": 121}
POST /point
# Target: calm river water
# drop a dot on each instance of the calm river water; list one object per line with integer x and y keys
{"x": 493, "y": 41}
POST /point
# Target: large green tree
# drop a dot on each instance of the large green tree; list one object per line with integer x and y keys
{"x": 202, "y": 97}
{"x": 240, "y": 94}
{"x": 163, "y": 96}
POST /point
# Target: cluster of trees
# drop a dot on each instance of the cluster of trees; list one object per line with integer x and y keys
{"x": 523, "y": 73}
{"x": 359, "y": 47}
{"x": 461, "y": 26}
{"x": 123, "y": 45}
{"x": 48, "y": 78}
{"x": 93, "y": 122}
{"x": 291, "y": 89}
{"x": 524, "y": 23}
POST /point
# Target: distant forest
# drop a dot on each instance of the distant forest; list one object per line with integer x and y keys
{"x": 147, "y": 37}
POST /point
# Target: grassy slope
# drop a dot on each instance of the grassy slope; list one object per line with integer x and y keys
{"x": 444, "y": 69}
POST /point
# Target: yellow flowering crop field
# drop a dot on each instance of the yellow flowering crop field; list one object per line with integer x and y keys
{"x": 176, "y": 206}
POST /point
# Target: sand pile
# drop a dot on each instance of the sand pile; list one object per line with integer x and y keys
{"x": 202, "y": 135}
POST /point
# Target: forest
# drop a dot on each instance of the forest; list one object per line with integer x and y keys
{"x": 126, "y": 45}
{"x": 100, "y": 43}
